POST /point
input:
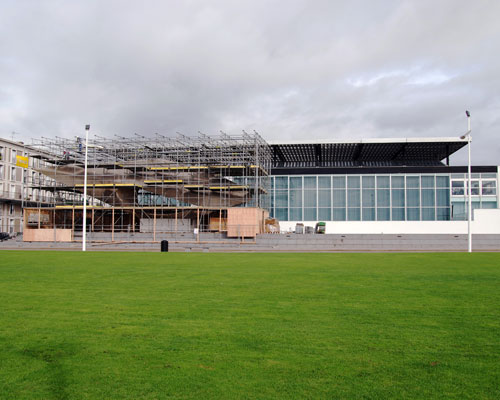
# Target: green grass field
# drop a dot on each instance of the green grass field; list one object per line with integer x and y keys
{"x": 249, "y": 326}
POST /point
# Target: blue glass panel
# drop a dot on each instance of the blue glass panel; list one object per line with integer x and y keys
{"x": 281, "y": 182}
{"x": 383, "y": 214}
{"x": 412, "y": 182}
{"x": 339, "y": 182}
{"x": 353, "y": 198}
{"x": 324, "y": 198}
{"x": 368, "y": 182}
{"x": 443, "y": 197}
{"x": 428, "y": 181}
{"x": 368, "y": 214}
{"x": 428, "y": 199}
{"x": 428, "y": 214}
{"x": 368, "y": 197}
{"x": 324, "y": 182}
{"x": 309, "y": 198}
{"x": 353, "y": 182}
{"x": 489, "y": 204}
{"x": 383, "y": 198}
{"x": 281, "y": 198}
{"x": 282, "y": 214}
{"x": 354, "y": 214}
{"x": 295, "y": 214}
{"x": 324, "y": 214}
{"x": 458, "y": 211}
{"x": 442, "y": 181}
{"x": 412, "y": 197}
{"x": 413, "y": 214}
{"x": 339, "y": 198}
{"x": 383, "y": 182}
{"x": 443, "y": 214}
{"x": 398, "y": 197}
{"x": 295, "y": 198}
{"x": 398, "y": 214}
{"x": 339, "y": 214}
{"x": 398, "y": 182}
{"x": 309, "y": 214}
{"x": 310, "y": 182}
{"x": 295, "y": 182}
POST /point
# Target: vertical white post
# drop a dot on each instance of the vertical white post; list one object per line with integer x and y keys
{"x": 469, "y": 232}
{"x": 84, "y": 228}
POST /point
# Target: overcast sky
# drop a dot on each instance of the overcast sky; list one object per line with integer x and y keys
{"x": 289, "y": 69}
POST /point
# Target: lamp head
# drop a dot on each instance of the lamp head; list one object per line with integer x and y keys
{"x": 467, "y": 113}
{"x": 87, "y": 127}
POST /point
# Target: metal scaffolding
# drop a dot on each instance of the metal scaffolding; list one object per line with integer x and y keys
{"x": 142, "y": 183}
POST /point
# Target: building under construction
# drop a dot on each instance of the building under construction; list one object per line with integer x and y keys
{"x": 151, "y": 185}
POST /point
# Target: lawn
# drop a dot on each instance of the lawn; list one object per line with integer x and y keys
{"x": 103, "y": 325}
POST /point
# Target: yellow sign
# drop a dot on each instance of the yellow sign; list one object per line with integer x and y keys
{"x": 21, "y": 161}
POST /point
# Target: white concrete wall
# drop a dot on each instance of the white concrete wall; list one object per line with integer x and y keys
{"x": 486, "y": 221}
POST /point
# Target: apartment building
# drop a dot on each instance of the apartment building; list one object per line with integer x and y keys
{"x": 16, "y": 185}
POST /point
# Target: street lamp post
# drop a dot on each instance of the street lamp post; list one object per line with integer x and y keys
{"x": 469, "y": 188}
{"x": 84, "y": 230}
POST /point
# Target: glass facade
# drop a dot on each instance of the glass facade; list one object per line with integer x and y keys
{"x": 483, "y": 193}
{"x": 410, "y": 197}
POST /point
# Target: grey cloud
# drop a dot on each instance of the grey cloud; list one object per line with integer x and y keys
{"x": 290, "y": 70}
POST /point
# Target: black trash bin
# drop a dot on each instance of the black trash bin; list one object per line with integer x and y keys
{"x": 164, "y": 245}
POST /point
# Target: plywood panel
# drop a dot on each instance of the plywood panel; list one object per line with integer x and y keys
{"x": 245, "y": 222}
{"x": 47, "y": 235}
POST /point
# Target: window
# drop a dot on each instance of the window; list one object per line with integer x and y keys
{"x": 442, "y": 182}
{"x": 475, "y": 188}
{"x": 281, "y": 182}
{"x": 368, "y": 214}
{"x": 383, "y": 182}
{"x": 368, "y": 197}
{"x": 324, "y": 182}
{"x": 354, "y": 214}
{"x": 353, "y": 198}
{"x": 368, "y": 182}
{"x": 309, "y": 182}
{"x": 1, "y": 171}
{"x": 383, "y": 197}
{"x": 353, "y": 182}
{"x": 295, "y": 214}
{"x": 413, "y": 214}
{"x": 457, "y": 188}
{"x": 383, "y": 214}
{"x": 295, "y": 182}
{"x": 428, "y": 198}
{"x": 339, "y": 182}
{"x": 428, "y": 181}
{"x": 324, "y": 214}
{"x": 281, "y": 198}
{"x": 324, "y": 198}
{"x": 13, "y": 156}
{"x": 442, "y": 197}
{"x": 398, "y": 198}
{"x": 309, "y": 214}
{"x": 295, "y": 198}
{"x": 412, "y": 182}
{"x": 339, "y": 198}
{"x": 398, "y": 182}
{"x": 309, "y": 198}
{"x": 489, "y": 188}
{"x": 13, "y": 173}
{"x": 339, "y": 214}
